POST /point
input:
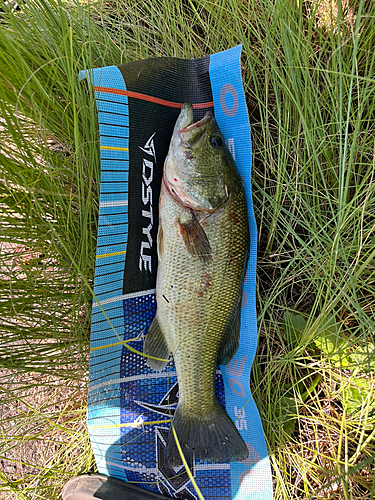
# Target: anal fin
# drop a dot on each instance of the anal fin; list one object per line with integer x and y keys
{"x": 156, "y": 346}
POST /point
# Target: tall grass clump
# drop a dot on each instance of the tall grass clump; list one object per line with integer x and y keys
{"x": 314, "y": 190}
{"x": 48, "y": 202}
{"x": 309, "y": 84}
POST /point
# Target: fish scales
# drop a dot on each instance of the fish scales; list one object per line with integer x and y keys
{"x": 203, "y": 242}
{"x": 202, "y": 300}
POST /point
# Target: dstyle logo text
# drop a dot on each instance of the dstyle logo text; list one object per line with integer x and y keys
{"x": 148, "y": 164}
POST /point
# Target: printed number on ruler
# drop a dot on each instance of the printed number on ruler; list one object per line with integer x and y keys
{"x": 240, "y": 418}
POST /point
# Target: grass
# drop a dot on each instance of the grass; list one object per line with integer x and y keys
{"x": 310, "y": 87}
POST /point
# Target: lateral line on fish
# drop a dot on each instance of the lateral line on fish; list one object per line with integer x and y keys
{"x": 149, "y": 98}
{"x": 124, "y": 297}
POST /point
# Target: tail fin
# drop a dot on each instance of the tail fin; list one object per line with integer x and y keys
{"x": 211, "y": 436}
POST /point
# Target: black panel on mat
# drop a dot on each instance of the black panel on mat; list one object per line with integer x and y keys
{"x": 153, "y": 109}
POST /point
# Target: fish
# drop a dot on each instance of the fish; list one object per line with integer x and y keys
{"x": 202, "y": 244}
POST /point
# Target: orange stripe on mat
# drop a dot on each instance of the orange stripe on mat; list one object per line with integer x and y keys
{"x": 144, "y": 97}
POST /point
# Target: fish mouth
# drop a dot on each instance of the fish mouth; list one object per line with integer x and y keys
{"x": 206, "y": 119}
{"x": 190, "y": 132}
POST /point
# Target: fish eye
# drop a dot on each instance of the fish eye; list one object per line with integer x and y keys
{"x": 216, "y": 141}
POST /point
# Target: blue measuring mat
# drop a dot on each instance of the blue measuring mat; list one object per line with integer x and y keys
{"x": 130, "y": 405}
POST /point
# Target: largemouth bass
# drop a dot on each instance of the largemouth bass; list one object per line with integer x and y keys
{"x": 203, "y": 242}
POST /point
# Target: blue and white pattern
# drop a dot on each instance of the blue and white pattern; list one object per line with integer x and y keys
{"x": 107, "y": 324}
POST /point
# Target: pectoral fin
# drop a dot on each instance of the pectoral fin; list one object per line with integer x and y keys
{"x": 231, "y": 339}
{"x": 156, "y": 346}
{"x": 195, "y": 238}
